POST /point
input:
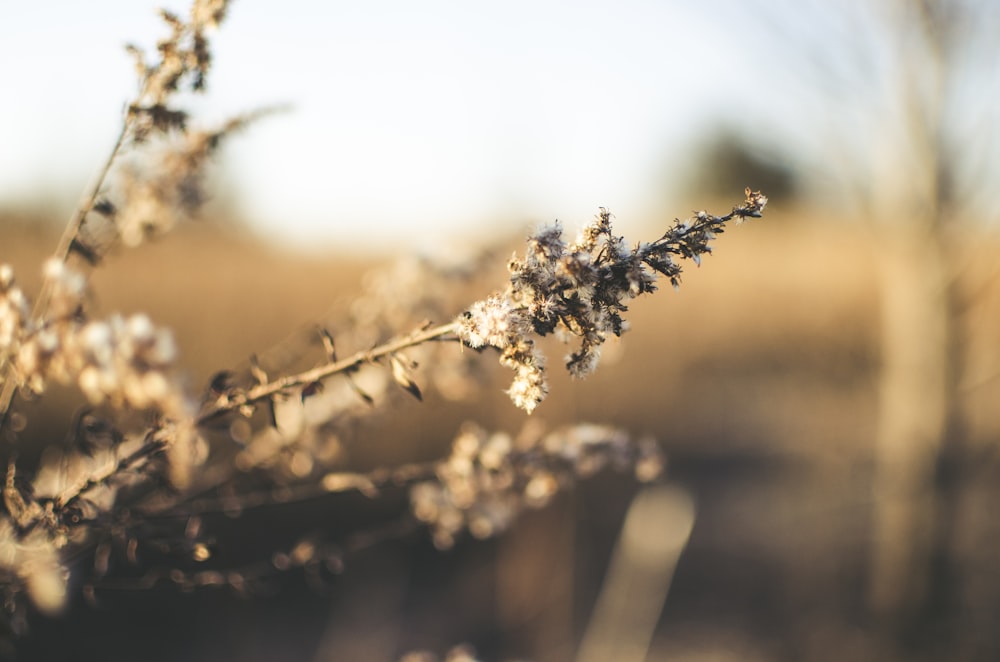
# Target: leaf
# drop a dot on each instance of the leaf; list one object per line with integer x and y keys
{"x": 89, "y": 254}
{"x": 311, "y": 389}
{"x": 401, "y": 373}
{"x": 104, "y": 207}
{"x": 272, "y": 418}
{"x": 369, "y": 400}
{"x": 221, "y": 383}
{"x": 328, "y": 344}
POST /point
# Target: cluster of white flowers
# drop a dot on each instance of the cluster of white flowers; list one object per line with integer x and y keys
{"x": 164, "y": 183}
{"x": 493, "y": 321}
{"x": 498, "y": 322}
{"x": 528, "y": 363}
{"x": 183, "y": 56}
{"x": 207, "y": 14}
{"x": 578, "y": 291}
{"x": 489, "y": 478}
{"x": 150, "y": 208}
{"x": 14, "y": 311}
{"x": 122, "y": 360}
{"x": 126, "y": 362}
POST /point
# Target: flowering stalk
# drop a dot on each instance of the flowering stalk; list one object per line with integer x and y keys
{"x": 183, "y": 60}
{"x": 143, "y": 425}
{"x": 578, "y": 290}
{"x": 489, "y": 479}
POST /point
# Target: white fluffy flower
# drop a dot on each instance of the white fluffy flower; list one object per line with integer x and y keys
{"x": 491, "y": 322}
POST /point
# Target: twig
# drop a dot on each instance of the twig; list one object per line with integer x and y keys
{"x": 63, "y": 249}
{"x": 368, "y": 484}
{"x": 232, "y": 402}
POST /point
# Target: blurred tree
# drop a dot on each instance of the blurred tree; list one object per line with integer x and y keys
{"x": 897, "y": 109}
{"x": 726, "y": 159}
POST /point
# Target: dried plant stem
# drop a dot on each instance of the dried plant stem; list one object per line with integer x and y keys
{"x": 152, "y": 446}
{"x": 62, "y": 253}
{"x": 685, "y": 240}
{"x": 232, "y": 402}
{"x": 370, "y": 484}
{"x": 156, "y": 443}
{"x": 69, "y": 235}
{"x": 304, "y": 554}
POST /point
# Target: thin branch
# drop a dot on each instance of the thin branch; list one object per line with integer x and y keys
{"x": 153, "y": 445}
{"x": 305, "y": 553}
{"x": 63, "y": 250}
{"x": 368, "y": 484}
{"x": 233, "y": 402}
{"x": 144, "y": 453}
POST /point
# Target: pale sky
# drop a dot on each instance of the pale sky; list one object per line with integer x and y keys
{"x": 410, "y": 120}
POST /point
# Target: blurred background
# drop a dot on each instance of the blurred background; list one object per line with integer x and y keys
{"x": 825, "y": 386}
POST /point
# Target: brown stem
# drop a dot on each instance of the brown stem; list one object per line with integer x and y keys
{"x": 369, "y": 484}
{"x": 153, "y": 445}
{"x": 62, "y": 254}
{"x": 232, "y": 402}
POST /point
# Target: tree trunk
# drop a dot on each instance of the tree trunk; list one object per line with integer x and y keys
{"x": 917, "y": 375}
